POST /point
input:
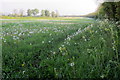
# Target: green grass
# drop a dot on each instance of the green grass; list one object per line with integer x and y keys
{"x": 34, "y": 18}
{"x": 53, "y": 49}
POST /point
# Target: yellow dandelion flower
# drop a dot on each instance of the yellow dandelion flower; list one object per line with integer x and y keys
{"x": 23, "y": 65}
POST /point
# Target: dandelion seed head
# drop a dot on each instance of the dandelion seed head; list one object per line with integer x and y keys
{"x": 72, "y": 64}
{"x": 43, "y": 42}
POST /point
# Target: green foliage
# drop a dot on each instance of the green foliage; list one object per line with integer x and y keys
{"x": 29, "y": 12}
{"x": 117, "y": 11}
{"x": 47, "y": 13}
{"x": 32, "y": 12}
{"x": 43, "y": 13}
{"x": 35, "y": 12}
{"x": 110, "y": 10}
{"x": 57, "y": 14}
{"x": 53, "y": 14}
{"x": 60, "y": 49}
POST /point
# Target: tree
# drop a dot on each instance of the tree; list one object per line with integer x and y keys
{"x": 110, "y": 10}
{"x": 53, "y": 14}
{"x": 29, "y": 12}
{"x": 21, "y": 12}
{"x": 117, "y": 11}
{"x": 47, "y": 13}
{"x": 35, "y": 12}
{"x": 57, "y": 13}
{"x": 15, "y": 12}
{"x": 43, "y": 13}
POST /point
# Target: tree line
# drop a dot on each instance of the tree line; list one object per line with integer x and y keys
{"x": 109, "y": 10}
{"x": 34, "y": 12}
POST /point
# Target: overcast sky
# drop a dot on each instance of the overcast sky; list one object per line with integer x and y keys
{"x": 64, "y": 7}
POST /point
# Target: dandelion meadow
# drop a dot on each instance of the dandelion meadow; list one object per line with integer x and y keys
{"x": 66, "y": 48}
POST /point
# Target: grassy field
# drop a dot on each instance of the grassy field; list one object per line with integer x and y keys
{"x": 35, "y": 18}
{"x": 65, "y": 48}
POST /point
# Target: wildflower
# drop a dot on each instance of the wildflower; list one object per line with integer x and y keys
{"x": 83, "y": 36}
{"x": 49, "y": 41}
{"x": 30, "y": 43}
{"x": 19, "y": 34}
{"x": 68, "y": 38}
{"x": 60, "y": 48}
{"x": 23, "y": 65}
{"x": 4, "y": 40}
{"x": 23, "y": 72}
{"x": 68, "y": 43}
{"x": 50, "y": 34}
{"x": 102, "y": 76}
{"x": 72, "y": 64}
{"x": 54, "y": 52}
{"x": 106, "y": 29}
{"x": 62, "y": 45}
{"x": 91, "y": 25}
{"x": 31, "y": 32}
{"x": 43, "y": 42}
{"x": 113, "y": 48}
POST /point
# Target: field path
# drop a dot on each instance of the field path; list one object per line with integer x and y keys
{"x": 77, "y": 32}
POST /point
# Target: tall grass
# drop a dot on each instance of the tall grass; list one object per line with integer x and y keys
{"x": 43, "y": 50}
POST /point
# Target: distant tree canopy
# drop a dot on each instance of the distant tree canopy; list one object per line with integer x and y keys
{"x": 29, "y": 12}
{"x": 107, "y": 10}
{"x": 15, "y": 12}
{"x": 21, "y": 12}
{"x": 47, "y": 13}
{"x": 34, "y": 12}
{"x": 43, "y": 13}
{"x": 110, "y": 10}
{"x": 53, "y": 14}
